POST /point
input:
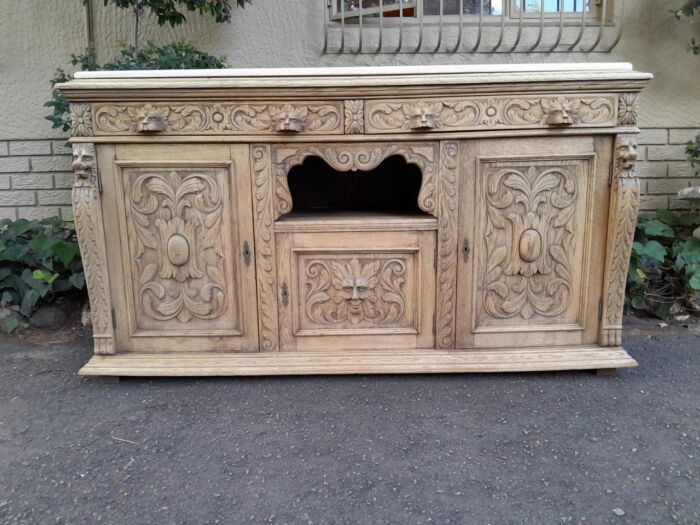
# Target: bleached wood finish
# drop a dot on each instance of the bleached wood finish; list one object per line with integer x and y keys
{"x": 413, "y": 361}
{"x": 517, "y": 262}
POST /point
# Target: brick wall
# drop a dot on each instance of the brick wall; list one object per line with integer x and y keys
{"x": 663, "y": 167}
{"x": 35, "y": 178}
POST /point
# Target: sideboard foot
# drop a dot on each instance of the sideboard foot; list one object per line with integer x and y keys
{"x": 108, "y": 380}
{"x": 606, "y": 372}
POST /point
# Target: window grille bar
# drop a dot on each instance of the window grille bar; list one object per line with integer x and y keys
{"x": 620, "y": 26}
{"x": 439, "y": 41}
{"x": 381, "y": 27}
{"x": 361, "y": 16}
{"x": 561, "y": 29}
{"x": 461, "y": 27}
{"x": 451, "y": 36}
{"x": 601, "y": 26}
{"x": 520, "y": 26}
{"x": 583, "y": 28}
{"x": 481, "y": 27}
{"x": 539, "y": 35}
{"x": 503, "y": 32}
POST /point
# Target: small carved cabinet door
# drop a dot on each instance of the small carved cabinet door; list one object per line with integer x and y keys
{"x": 182, "y": 215}
{"x": 533, "y": 241}
{"x": 356, "y": 290}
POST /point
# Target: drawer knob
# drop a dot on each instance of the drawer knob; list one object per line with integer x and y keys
{"x": 289, "y": 119}
{"x": 151, "y": 124}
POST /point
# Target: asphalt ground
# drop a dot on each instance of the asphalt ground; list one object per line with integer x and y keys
{"x": 541, "y": 448}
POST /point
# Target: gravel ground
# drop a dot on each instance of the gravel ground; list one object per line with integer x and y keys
{"x": 509, "y": 448}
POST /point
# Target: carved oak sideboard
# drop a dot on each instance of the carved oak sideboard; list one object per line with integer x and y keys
{"x": 356, "y": 220}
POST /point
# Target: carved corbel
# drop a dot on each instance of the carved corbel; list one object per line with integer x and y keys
{"x": 624, "y": 206}
{"x": 87, "y": 216}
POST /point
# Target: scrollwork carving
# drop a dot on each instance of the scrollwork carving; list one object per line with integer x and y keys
{"x": 624, "y": 207}
{"x": 354, "y": 157}
{"x": 530, "y": 226}
{"x": 264, "y": 247}
{"x": 491, "y": 112}
{"x": 87, "y": 217}
{"x": 361, "y": 292}
{"x": 447, "y": 246}
{"x": 218, "y": 118}
{"x": 177, "y": 218}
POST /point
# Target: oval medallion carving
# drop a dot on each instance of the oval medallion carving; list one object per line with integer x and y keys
{"x": 178, "y": 250}
{"x": 530, "y": 245}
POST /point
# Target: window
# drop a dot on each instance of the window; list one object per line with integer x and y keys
{"x": 482, "y": 26}
{"x": 350, "y": 9}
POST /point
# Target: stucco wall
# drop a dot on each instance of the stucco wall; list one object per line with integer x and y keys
{"x": 39, "y": 35}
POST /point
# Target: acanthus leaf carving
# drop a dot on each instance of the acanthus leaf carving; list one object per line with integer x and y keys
{"x": 624, "y": 207}
{"x": 491, "y": 112}
{"x": 357, "y": 290}
{"x": 177, "y": 218}
{"x": 447, "y": 246}
{"x": 87, "y": 217}
{"x": 530, "y": 226}
{"x": 264, "y": 247}
{"x": 218, "y": 117}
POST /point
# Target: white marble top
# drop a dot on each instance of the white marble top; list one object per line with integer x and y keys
{"x": 602, "y": 67}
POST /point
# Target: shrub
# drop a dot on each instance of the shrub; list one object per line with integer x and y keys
{"x": 178, "y": 55}
{"x": 39, "y": 260}
{"x": 664, "y": 274}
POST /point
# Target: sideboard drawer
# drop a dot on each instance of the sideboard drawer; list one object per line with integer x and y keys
{"x": 488, "y": 113}
{"x": 214, "y": 118}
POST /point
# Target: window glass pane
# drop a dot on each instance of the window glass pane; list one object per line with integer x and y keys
{"x": 471, "y": 7}
{"x": 555, "y": 6}
{"x": 389, "y": 6}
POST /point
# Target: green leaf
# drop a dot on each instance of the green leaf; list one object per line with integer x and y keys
{"x": 656, "y": 228}
{"x": 638, "y": 302}
{"x": 10, "y": 323}
{"x": 654, "y": 250}
{"x": 66, "y": 252}
{"x": 663, "y": 311}
{"x": 48, "y": 278}
{"x": 694, "y": 281}
{"x": 29, "y": 302}
{"x": 77, "y": 280}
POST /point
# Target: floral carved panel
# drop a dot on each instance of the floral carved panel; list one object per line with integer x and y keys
{"x": 358, "y": 292}
{"x": 219, "y": 118}
{"x": 533, "y": 240}
{"x": 452, "y": 114}
{"x": 179, "y": 242}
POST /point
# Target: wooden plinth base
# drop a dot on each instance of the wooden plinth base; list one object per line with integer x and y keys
{"x": 360, "y": 362}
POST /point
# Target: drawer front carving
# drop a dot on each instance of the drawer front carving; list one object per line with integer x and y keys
{"x": 530, "y": 269}
{"x": 178, "y": 222}
{"x": 219, "y": 118}
{"x": 357, "y": 292}
{"x": 482, "y": 113}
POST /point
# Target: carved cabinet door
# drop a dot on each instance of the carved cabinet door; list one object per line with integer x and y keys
{"x": 180, "y": 242}
{"x": 533, "y": 218}
{"x": 356, "y": 290}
